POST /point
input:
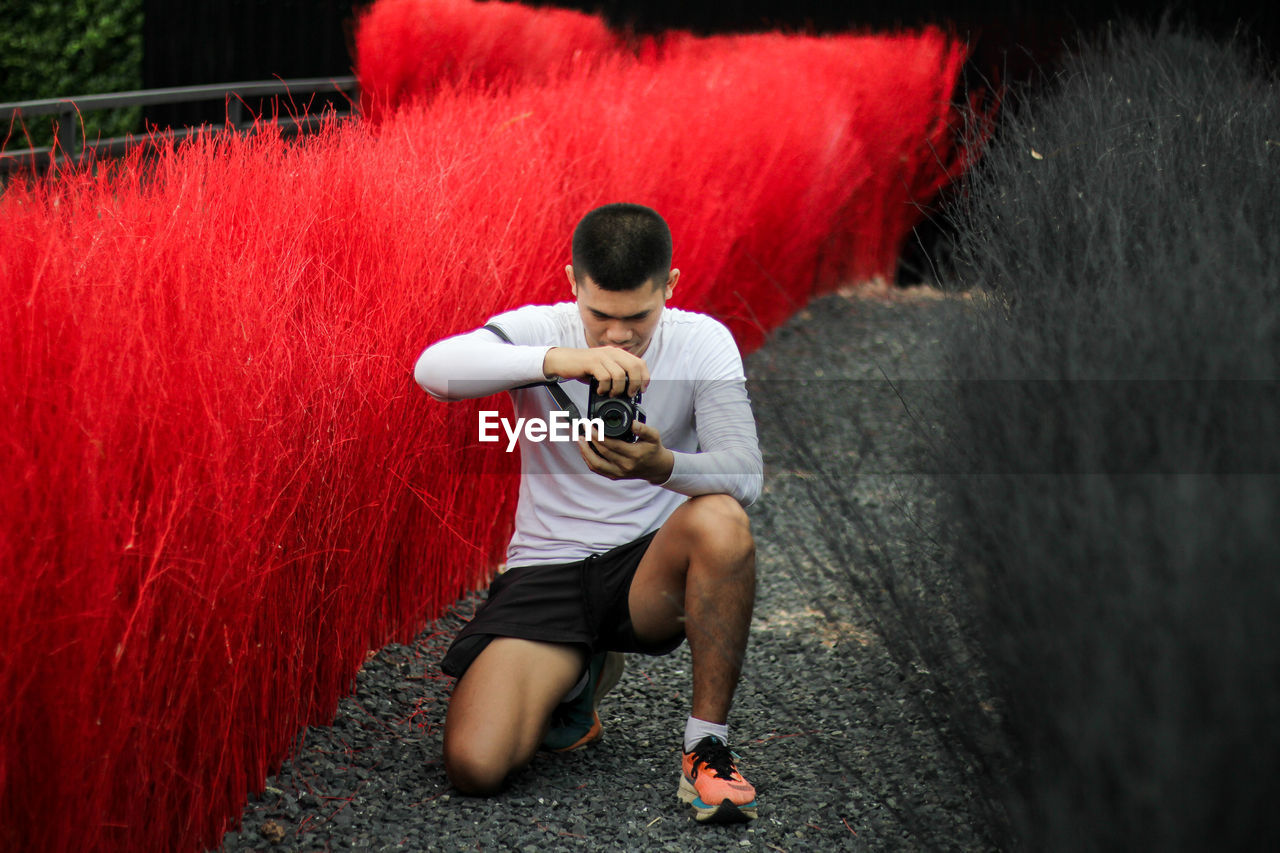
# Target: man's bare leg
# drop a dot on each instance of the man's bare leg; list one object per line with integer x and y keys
{"x": 500, "y": 707}
{"x": 698, "y": 576}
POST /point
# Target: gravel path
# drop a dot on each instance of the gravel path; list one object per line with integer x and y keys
{"x": 835, "y": 718}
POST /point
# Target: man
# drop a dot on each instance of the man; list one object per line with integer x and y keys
{"x": 619, "y": 545}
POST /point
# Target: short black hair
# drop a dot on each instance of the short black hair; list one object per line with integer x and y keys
{"x": 622, "y": 246}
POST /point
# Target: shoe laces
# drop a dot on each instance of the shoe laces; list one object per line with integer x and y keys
{"x": 718, "y": 758}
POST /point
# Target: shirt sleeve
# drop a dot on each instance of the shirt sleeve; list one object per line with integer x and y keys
{"x": 728, "y": 460}
{"x": 479, "y": 363}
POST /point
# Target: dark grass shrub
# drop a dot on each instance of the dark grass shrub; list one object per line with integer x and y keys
{"x": 1113, "y": 471}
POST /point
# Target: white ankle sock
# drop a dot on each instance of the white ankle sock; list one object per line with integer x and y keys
{"x": 695, "y": 730}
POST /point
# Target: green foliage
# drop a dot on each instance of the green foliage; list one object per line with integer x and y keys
{"x": 54, "y": 48}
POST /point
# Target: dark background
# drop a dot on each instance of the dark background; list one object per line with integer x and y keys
{"x": 225, "y": 42}
{"x": 49, "y": 54}
{"x": 1013, "y": 41}
{"x": 59, "y": 49}
{"x": 257, "y": 39}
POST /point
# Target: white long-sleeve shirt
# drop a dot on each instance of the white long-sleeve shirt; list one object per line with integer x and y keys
{"x": 696, "y": 399}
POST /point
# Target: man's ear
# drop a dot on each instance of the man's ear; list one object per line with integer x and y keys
{"x": 573, "y": 282}
{"x": 672, "y": 278}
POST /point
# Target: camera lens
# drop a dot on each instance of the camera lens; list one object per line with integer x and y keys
{"x": 616, "y": 417}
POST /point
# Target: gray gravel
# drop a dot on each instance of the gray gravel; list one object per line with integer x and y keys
{"x": 841, "y": 718}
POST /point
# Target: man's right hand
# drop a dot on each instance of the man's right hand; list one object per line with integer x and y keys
{"x": 615, "y": 370}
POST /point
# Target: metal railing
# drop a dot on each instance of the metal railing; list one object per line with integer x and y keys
{"x": 68, "y": 146}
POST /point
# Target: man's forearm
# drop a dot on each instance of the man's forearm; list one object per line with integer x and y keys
{"x": 738, "y": 473}
{"x": 476, "y": 364}
{"x": 729, "y": 461}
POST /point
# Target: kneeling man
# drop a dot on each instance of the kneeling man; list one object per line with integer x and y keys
{"x": 626, "y": 544}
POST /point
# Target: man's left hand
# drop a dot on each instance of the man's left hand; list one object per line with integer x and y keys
{"x": 643, "y": 459}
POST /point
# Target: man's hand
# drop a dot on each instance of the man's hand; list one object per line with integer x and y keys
{"x": 644, "y": 459}
{"x": 616, "y": 370}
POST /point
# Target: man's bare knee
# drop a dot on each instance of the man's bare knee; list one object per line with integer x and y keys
{"x": 472, "y": 771}
{"x": 497, "y": 714}
{"x": 722, "y": 528}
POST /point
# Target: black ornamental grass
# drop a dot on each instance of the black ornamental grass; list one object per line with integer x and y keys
{"x": 1111, "y": 418}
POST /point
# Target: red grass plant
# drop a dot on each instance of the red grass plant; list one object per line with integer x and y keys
{"x": 222, "y": 485}
{"x": 406, "y": 49}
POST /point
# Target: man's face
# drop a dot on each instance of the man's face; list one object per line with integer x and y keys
{"x": 621, "y": 318}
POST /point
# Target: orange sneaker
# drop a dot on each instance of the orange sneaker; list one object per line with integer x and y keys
{"x": 712, "y": 784}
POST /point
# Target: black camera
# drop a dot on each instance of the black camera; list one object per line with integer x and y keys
{"x": 617, "y": 413}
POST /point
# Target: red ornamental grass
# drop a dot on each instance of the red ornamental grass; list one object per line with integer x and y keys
{"x": 195, "y": 561}
{"x": 406, "y": 49}
{"x": 859, "y": 174}
{"x": 223, "y": 486}
{"x": 887, "y": 91}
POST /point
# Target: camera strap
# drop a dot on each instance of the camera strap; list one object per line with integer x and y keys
{"x": 557, "y": 393}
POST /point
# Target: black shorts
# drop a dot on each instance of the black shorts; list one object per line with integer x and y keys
{"x": 582, "y": 603}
